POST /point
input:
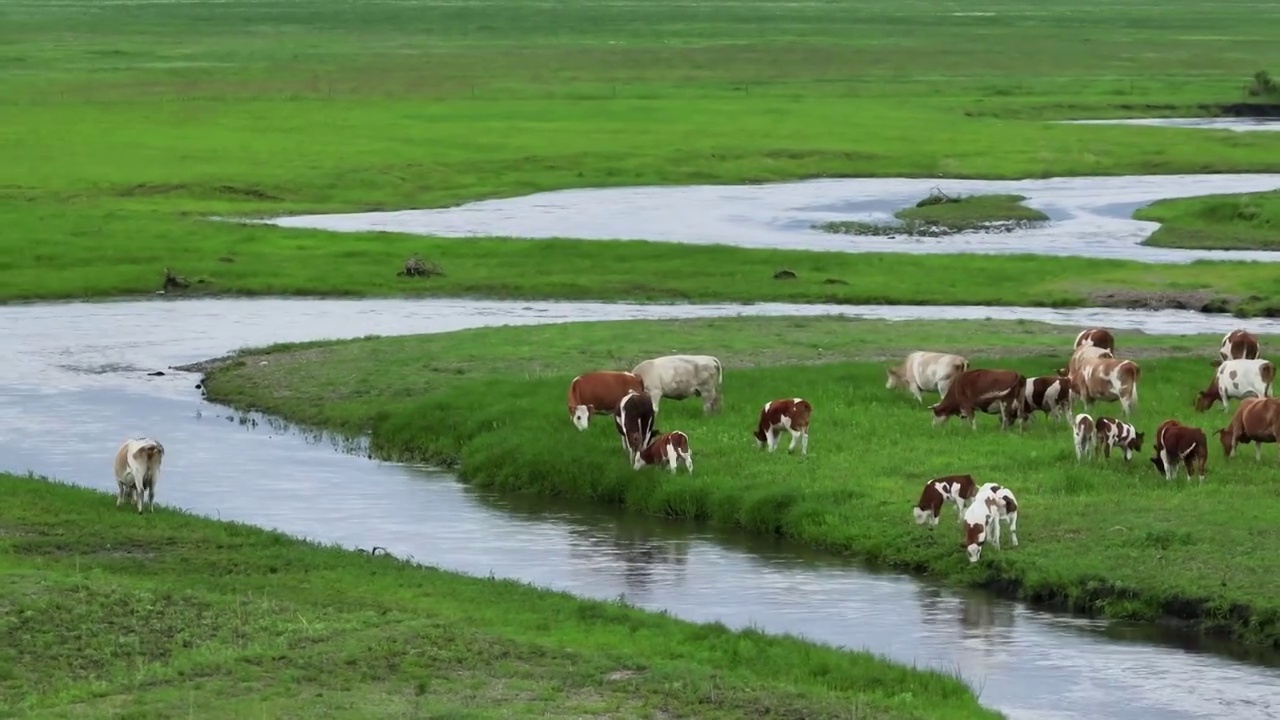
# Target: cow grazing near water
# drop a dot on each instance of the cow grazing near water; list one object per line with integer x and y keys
{"x": 670, "y": 448}
{"x": 137, "y": 469}
{"x": 681, "y": 376}
{"x": 1113, "y": 433}
{"x": 1106, "y": 378}
{"x": 1095, "y": 337}
{"x": 921, "y": 371}
{"x": 1238, "y": 345}
{"x": 1237, "y": 379}
{"x": 1256, "y": 421}
{"x": 1006, "y": 511}
{"x": 790, "y": 414}
{"x": 598, "y": 393}
{"x": 1051, "y": 394}
{"x": 634, "y": 420}
{"x": 991, "y": 391}
{"x": 977, "y": 523}
{"x": 940, "y": 491}
{"x": 1084, "y": 432}
{"x": 1178, "y": 443}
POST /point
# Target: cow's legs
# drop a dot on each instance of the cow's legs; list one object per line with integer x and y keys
{"x": 673, "y": 457}
{"x": 140, "y": 495}
{"x": 1169, "y": 468}
{"x": 993, "y": 530}
{"x": 1013, "y": 528}
{"x": 1128, "y": 453}
{"x": 773, "y": 440}
{"x": 151, "y": 496}
{"x": 916, "y": 391}
{"x": 119, "y": 493}
{"x": 804, "y": 441}
{"x": 688, "y": 461}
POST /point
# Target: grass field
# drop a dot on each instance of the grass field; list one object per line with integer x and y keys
{"x": 949, "y": 216}
{"x": 124, "y": 125}
{"x": 1110, "y": 538}
{"x": 1227, "y": 222}
{"x": 171, "y": 615}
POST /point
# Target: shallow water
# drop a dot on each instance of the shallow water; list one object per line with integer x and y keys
{"x": 73, "y": 382}
{"x": 1091, "y": 216}
{"x": 1260, "y": 124}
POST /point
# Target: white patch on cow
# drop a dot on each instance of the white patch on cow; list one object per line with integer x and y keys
{"x": 581, "y": 417}
{"x": 926, "y": 371}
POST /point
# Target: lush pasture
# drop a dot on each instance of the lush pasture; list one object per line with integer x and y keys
{"x": 170, "y": 615}
{"x": 1111, "y": 537}
{"x": 1230, "y": 222}
{"x": 124, "y": 125}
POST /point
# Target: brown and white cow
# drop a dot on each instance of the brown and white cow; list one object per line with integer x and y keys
{"x": 598, "y": 393}
{"x": 669, "y": 448}
{"x": 940, "y": 491}
{"x": 977, "y": 522}
{"x": 1084, "y": 433}
{"x": 634, "y": 420}
{"x": 991, "y": 391}
{"x": 1104, "y": 378}
{"x": 790, "y": 414}
{"x": 1178, "y": 443}
{"x": 1095, "y": 337}
{"x": 1238, "y": 345}
{"x": 681, "y": 376}
{"x": 1257, "y": 421}
{"x": 1081, "y": 355}
{"x": 1006, "y": 511}
{"x": 1113, "y": 433}
{"x": 1237, "y": 379}
{"x": 137, "y": 470}
{"x": 1051, "y": 394}
{"x": 922, "y": 371}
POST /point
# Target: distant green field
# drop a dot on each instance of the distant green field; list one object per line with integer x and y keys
{"x": 1221, "y": 222}
{"x": 123, "y": 125}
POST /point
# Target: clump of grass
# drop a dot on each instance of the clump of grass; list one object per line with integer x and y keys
{"x": 1249, "y": 221}
{"x": 939, "y": 215}
{"x": 1263, "y": 85}
{"x": 491, "y": 401}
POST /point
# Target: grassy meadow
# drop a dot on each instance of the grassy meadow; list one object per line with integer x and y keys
{"x": 1109, "y": 538}
{"x": 1248, "y": 221}
{"x": 173, "y": 615}
{"x": 124, "y": 126}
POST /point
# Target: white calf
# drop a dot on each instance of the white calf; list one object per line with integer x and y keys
{"x": 137, "y": 469}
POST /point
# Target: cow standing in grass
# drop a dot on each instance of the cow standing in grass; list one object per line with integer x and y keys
{"x": 1238, "y": 345}
{"x": 926, "y": 371}
{"x": 137, "y": 470}
{"x": 634, "y": 419}
{"x": 1237, "y": 379}
{"x": 990, "y": 391}
{"x": 790, "y": 414}
{"x": 1095, "y": 337}
{"x": 670, "y": 448}
{"x": 940, "y": 491}
{"x": 1256, "y": 421}
{"x": 681, "y": 376}
{"x": 1178, "y": 443}
{"x": 598, "y": 393}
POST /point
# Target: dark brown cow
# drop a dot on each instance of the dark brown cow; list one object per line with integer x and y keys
{"x": 599, "y": 393}
{"x": 790, "y": 414}
{"x": 940, "y": 491}
{"x": 991, "y": 391}
{"x": 1176, "y": 443}
{"x": 1096, "y": 337}
{"x": 634, "y": 420}
{"x": 1238, "y": 345}
{"x": 1113, "y": 433}
{"x": 1051, "y": 394}
{"x": 1257, "y": 421}
{"x": 669, "y": 448}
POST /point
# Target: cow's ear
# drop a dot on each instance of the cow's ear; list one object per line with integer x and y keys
{"x": 1215, "y": 363}
{"x": 591, "y": 409}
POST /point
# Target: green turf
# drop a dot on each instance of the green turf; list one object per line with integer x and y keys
{"x": 1220, "y": 222}
{"x": 108, "y": 615}
{"x": 124, "y": 125}
{"x": 493, "y": 401}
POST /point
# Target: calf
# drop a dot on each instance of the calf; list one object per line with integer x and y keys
{"x": 1237, "y": 379}
{"x": 977, "y": 521}
{"x": 1257, "y": 420}
{"x": 1006, "y": 510}
{"x": 137, "y": 469}
{"x": 991, "y": 391}
{"x": 1176, "y": 443}
{"x": 1095, "y": 337}
{"x": 1050, "y": 394}
{"x": 682, "y": 376}
{"x": 926, "y": 371}
{"x": 599, "y": 393}
{"x": 940, "y": 491}
{"x": 634, "y": 420}
{"x": 1083, "y": 431}
{"x": 790, "y": 414}
{"x": 670, "y": 448}
{"x": 1238, "y": 345}
{"x": 1114, "y": 433}
{"x": 1103, "y": 378}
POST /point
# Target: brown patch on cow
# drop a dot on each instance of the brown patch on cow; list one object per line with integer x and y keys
{"x": 1256, "y": 420}
{"x": 989, "y": 391}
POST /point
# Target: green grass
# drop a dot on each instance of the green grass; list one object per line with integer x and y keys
{"x": 108, "y": 614}
{"x": 945, "y": 215}
{"x": 1112, "y": 539}
{"x": 125, "y": 125}
{"x": 1222, "y": 222}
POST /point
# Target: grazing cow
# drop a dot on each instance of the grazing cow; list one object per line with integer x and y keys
{"x": 1051, "y": 394}
{"x": 991, "y": 391}
{"x": 1083, "y": 431}
{"x": 137, "y": 469}
{"x": 1103, "y": 378}
{"x": 1256, "y": 421}
{"x": 926, "y": 371}
{"x": 670, "y": 448}
{"x": 1176, "y": 443}
{"x": 1095, "y": 337}
{"x": 1006, "y": 510}
{"x": 1081, "y": 355}
{"x": 1237, "y": 379}
{"x": 634, "y": 420}
{"x": 1113, "y": 433}
{"x": 1238, "y": 345}
{"x": 977, "y": 521}
{"x": 681, "y": 376}
{"x": 599, "y": 393}
{"x": 790, "y": 414}
{"x": 940, "y": 491}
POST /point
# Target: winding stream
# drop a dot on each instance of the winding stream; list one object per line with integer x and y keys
{"x": 73, "y": 383}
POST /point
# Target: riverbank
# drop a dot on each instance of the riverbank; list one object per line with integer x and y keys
{"x": 1249, "y": 221}
{"x": 180, "y": 614}
{"x": 490, "y": 403}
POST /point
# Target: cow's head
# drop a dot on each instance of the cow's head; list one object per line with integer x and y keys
{"x": 582, "y": 416}
{"x": 1228, "y": 440}
{"x": 922, "y": 515}
{"x": 1205, "y": 399}
{"x": 1135, "y": 444}
{"x": 893, "y": 378}
{"x": 1155, "y": 460}
{"x": 939, "y": 416}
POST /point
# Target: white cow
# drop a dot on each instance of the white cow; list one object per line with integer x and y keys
{"x": 926, "y": 371}
{"x": 681, "y": 376}
{"x": 1006, "y": 510}
{"x": 1237, "y": 379}
{"x": 137, "y": 470}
